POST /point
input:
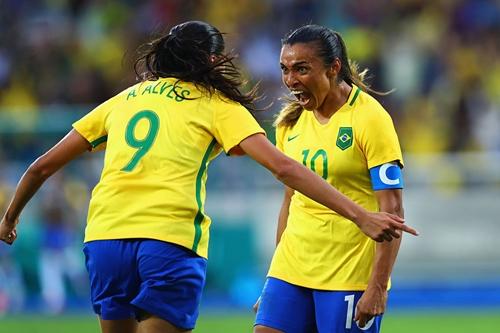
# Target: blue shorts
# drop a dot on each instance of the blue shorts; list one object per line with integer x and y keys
{"x": 294, "y": 309}
{"x": 131, "y": 276}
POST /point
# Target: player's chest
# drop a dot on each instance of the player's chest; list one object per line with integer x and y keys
{"x": 330, "y": 151}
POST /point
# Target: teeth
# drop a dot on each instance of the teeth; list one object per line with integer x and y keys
{"x": 296, "y": 92}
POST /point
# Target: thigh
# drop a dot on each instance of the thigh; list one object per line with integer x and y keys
{"x": 335, "y": 312}
{"x": 118, "y": 326}
{"x": 286, "y": 307}
{"x": 114, "y": 281}
{"x": 172, "y": 280}
{"x": 153, "y": 324}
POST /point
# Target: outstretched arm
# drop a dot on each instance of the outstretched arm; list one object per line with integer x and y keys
{"x": 374, "y": 299}
{"x": 71, "y": 146}
{"x": 378, "y": 226}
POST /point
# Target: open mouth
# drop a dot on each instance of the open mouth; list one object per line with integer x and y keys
{"x": 302, "y": 97}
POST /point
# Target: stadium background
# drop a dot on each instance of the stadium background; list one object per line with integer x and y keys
{"x": 60, "y": 58}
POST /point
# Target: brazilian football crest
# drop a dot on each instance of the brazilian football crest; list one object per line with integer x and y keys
{"x": 344, "y": 138}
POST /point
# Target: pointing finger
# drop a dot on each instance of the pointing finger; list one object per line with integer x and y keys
{"x": 407, "y": 229}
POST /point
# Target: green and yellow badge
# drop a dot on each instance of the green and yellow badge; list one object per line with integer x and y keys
{"x": 344, "y": 138}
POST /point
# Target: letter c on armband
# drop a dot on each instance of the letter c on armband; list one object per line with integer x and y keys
{"x": 386, "y": 176}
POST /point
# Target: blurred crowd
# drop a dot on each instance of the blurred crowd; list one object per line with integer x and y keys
{"x": 440, "y": 58}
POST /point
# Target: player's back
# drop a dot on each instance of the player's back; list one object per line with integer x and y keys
{"x": 159, "y": 136}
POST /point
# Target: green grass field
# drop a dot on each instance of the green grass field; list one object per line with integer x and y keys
{"x": 420, "y": 322}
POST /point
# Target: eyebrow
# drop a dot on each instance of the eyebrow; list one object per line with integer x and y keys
{"x": 299, "y": 63}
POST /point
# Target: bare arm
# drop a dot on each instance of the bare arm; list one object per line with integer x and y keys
{"x": 283, "y": 217}
{"x": 373, "y": 301}
{"x": 379, "y": 226}
{"x": 71, "y": 146}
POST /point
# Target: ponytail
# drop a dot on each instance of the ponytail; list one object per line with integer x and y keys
{"x": 289, "y": 115}
{"x": 350, "y": 70}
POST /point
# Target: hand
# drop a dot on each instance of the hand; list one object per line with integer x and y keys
{"x": 372, "y": 303}
{"x": 383, "y": 226}
{"x": 8, "y": 232}
{"x": 256, "y": 305}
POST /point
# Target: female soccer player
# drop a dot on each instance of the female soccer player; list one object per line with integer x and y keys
{"x": 326, "y": 275}
{"x": 147, "y": 234}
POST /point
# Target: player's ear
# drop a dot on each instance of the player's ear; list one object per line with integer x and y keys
{"x": 334, "y": 69}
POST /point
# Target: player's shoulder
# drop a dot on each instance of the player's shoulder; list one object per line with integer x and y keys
{"x": 367, "y": 108}
{"x": 122, "y": 96}
{"x": 132, "y": 89}
{"x": 281, "y": 130}
{"x": 297, "y": 126}
{"x": 366, "y": 103}
{"x": 219, "y": 99}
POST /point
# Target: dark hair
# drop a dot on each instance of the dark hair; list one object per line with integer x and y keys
{"x": 185, "y": 53}
{"x": 329, "y": 46}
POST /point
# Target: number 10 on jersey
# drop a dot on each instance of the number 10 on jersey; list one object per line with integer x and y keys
{"x": 312, "y": 162}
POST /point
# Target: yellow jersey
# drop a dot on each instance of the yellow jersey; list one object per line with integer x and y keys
{"x": 159, "y": 139}
{"x": 320, "y": 249}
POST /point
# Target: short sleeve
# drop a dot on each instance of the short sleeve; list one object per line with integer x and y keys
{"x": 93, "y": 125}
{"x": 232, "y": 124}
{"x": 377, "y": 137}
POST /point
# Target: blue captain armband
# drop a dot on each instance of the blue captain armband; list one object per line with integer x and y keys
{"x": 386, "y": 176}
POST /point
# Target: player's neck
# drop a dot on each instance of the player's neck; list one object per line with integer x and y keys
{"x": 336, "y": 98}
